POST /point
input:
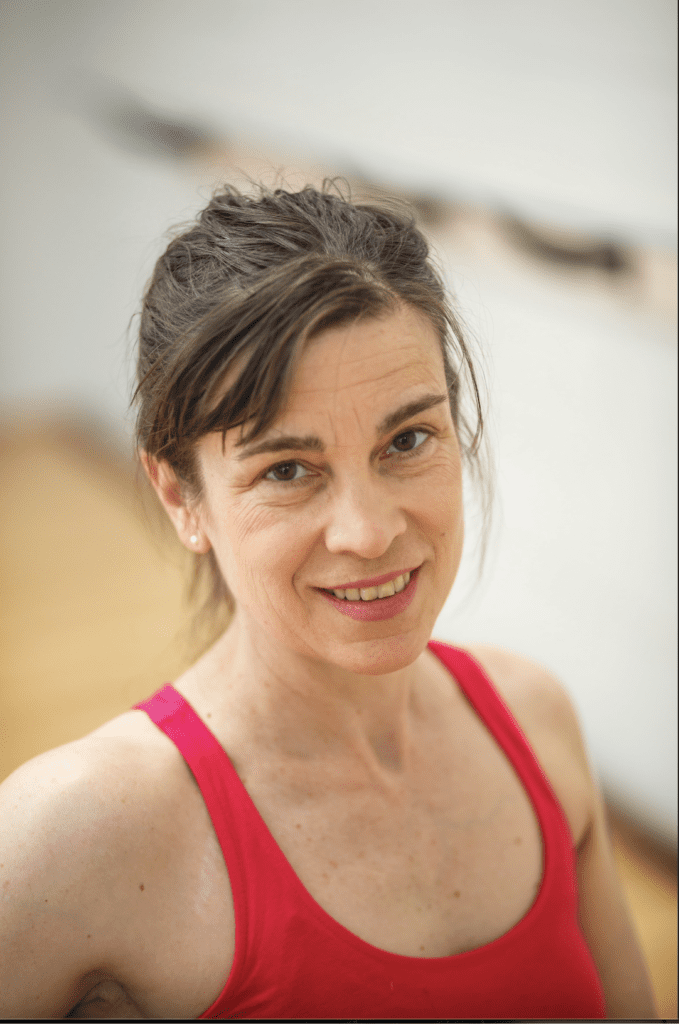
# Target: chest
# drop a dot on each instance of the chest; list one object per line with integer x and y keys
{"x": 446, "y": 863}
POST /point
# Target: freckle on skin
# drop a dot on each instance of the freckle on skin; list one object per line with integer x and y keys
{"x": 142, "y": 887}
{"x": 457, "y": 893}
{"x": 333, "y": 864}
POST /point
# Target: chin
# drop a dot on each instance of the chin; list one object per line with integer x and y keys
{"x": 379, "y": 657}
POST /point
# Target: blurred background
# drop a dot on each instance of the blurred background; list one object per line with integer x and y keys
{"x": 536, "y": 139}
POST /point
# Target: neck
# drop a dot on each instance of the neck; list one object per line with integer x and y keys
{"x": 305, "y": 707}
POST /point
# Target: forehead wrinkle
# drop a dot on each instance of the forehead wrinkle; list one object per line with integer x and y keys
{"x": 416, "y": 364}
{"x": 406, "y": 356}
{"x": 357, "y": 405}
{"x": 417, "y": 377}
{"x": 295, "y": 419}
{"x": 403, "y": 333}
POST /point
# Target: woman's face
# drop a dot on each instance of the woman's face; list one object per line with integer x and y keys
{"x": 358, "y": 482}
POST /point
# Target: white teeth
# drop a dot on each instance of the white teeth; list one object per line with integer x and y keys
{"x": 373, "y": 593}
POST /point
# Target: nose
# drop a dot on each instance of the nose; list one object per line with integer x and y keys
{"x": 364, "y": 519}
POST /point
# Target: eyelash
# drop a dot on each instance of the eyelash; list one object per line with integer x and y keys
{"x": 411, "y": 453}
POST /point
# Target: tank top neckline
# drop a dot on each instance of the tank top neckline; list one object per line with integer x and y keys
{"x": 524, "y": 776}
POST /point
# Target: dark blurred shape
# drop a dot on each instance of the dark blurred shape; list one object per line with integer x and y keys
{"x": 431, "y": 210}
{"x": 129, "y": 122}
{"x": 554, "y": 246}
{"x": 139, "y": 128}
{"x": 607, "y": 256}
{"x": 132, "y": 124}
{"x": 649, "y": 843}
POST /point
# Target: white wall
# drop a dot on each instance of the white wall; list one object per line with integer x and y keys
{"x": 563, "y": 109}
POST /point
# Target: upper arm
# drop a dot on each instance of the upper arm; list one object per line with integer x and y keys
{"x": 607, "y": 927}
{"x": 51, "y": 905}
{"x": 545, "y": 713}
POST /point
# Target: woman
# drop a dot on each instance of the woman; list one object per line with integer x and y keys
{"x": 380, "y": 840}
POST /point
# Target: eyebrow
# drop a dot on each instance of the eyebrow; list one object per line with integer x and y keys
{"x": 310, "y": 442}
{"x": 407, "y": 411}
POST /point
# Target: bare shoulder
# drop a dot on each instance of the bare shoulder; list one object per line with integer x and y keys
{"x": 536, "y": 697}
{"x": 541, "y": 705}
{"x": 86, "y": 781}
{"x": 75, "y": 840}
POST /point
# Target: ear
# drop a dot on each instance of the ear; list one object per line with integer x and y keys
{"x": 185, "y": 519}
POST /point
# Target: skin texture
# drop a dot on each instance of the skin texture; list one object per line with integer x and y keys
{"x": 346, "y": 734}
{"x": 359, "y": 509}
{"x": 353, "y": 511}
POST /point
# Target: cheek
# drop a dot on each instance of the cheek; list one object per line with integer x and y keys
{"x": 259, "y": 548}
{"x": 441, "y": 515}
{"x": 441, "y": 496}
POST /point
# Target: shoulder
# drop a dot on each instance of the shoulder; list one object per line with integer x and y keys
{"x": 99, "y": 796}
{"x": 546, "y": 715}
{"x": 76, "y": 801}
{"x": 85, "y": 783}
{"x": 535, "y": 696}
{"x": 75, "y": 840}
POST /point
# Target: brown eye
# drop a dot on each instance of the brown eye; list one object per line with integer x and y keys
{"x": 286, "y": 472}
{"x": 404, "y": 442}
{"x": 408, "y": 441}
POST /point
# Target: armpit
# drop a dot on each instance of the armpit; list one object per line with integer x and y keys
{"x": 108, "y": 1000}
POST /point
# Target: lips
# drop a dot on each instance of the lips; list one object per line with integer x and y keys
{"x": 378, "y": 609}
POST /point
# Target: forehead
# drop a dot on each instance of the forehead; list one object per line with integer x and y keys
{"x": 350, "y": 378}
{"x": 372, "y": 359}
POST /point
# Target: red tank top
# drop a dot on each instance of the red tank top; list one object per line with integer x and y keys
{"x": 292, "y": 960}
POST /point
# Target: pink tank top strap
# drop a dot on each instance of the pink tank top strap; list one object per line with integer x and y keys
{"x": 497, "y": 717}
{"x": 239, "y": 828}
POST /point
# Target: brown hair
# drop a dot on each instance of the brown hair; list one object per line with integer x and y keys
{"x": 242, "y": 290}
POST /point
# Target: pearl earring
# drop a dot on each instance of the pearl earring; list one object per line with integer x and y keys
{"x": 193, "y": 539}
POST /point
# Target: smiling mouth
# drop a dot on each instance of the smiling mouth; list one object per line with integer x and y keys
{"x": 378, "y": 593}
